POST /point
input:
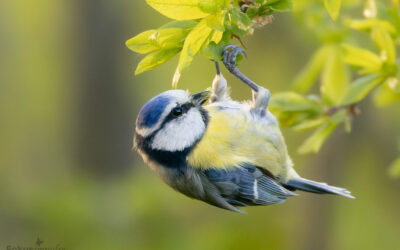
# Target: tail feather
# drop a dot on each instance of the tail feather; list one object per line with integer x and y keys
{"x": 317, "y": 187}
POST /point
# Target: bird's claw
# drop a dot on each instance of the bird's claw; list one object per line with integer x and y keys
{"x": 261, "y": 96}
{"x": 230, "y": 54}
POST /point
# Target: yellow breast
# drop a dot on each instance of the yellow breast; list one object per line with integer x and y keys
{"x": 234, "y": 137}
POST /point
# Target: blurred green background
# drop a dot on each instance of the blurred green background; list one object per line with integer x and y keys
{"x": 68, "y": 102}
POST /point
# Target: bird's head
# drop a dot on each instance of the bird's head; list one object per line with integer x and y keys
{"x": 172, "y": 121}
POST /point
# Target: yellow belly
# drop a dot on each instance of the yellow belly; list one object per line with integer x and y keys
{"x": 234, "y": 136}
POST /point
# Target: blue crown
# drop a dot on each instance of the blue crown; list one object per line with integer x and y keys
{"x": 152, "y": 110}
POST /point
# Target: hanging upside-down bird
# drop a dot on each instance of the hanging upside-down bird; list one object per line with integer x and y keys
{"x": 226, "y": 153}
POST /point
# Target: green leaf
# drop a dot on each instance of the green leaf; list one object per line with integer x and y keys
{"x": 169, "y": 38}
{"x": 281, "y": 6}
{"x": 334, "y": 78}
{"x": 365, "y": 59}
{"x": 338, "y": 117}
{"x": 366, "y": 25}
{"x": 360, "y": 88}
{"x": 315, "y": 141}
{"x": 216, "y": 36}
{"x": 394, "y": 169}
{"x": 234, "y": 29}
{"x": 170, "y": 35}
{"x": 178, "y": 9}
{"x": 241, "y": 17}
{"x": 183, "y": 24}
{"x": 217, "y": 21}
{"x": 291, "y": 101}
{"x": 214, "y": 51}
{"x": 212, "y": 6}
{"x": 241, "y": 23}
{"x": 141, "y": 43}
{"x": 333, "y": 8}
{"x": 292, "y": 109}
{"x": 292, "y": 118}
{"x": 385, "y": 95}
{"x": 310, "y": 124}
{"x": 210, "y": 29}
{"x": 193, "y": 43}
{"x": 154, "y": 59}
{"x": 385, "y": 44}
{"x": 307, "y": 77}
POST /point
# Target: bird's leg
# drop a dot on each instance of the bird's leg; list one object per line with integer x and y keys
{"x": 261, "y": 96}
{"x": 220, "y": 91}
{"x": 260, "y": 101}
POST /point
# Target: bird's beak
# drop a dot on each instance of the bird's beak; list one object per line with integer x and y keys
{"x": 200, "y": 98}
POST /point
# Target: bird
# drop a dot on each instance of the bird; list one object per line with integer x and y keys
{"x": 226, "y": 153}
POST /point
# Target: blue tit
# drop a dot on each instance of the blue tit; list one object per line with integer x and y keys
{"x": 226, "y": 153}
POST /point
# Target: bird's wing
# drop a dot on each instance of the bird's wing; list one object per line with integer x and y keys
{"x": 234, "y": 137}
{"x": 247, "y": 186}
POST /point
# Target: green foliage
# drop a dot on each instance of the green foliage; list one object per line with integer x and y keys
{"x": 202, "y": 26}
{"x": 360, "y": 88}
{"x": 366, "y": 60}
{"x": 179, "y": 9}
{"x": 209, "y": 29}
{"x": 388, "y": 93}
{"x": 356, "y": 56}
{"x": 333, "y": 8}
{"x": 334, "y": 77}
{"x": 348, "y": 72}
{"x": 292, "y": 108}
{"x": 315, "y": 141}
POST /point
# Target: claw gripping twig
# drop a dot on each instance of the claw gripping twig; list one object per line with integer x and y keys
{"x": 230, "y": 54}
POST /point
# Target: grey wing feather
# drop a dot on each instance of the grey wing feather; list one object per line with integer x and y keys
{"x": 214, "y": 197}
{"x": 247, "y": 186}
{"x": 195, "y": 184}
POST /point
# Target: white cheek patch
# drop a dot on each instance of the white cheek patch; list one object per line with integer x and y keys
{"x": 180, "y": 133}
{"x": 178, "y": 96}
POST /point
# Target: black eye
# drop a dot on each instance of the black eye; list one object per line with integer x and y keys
{"x": 177, "y": 111}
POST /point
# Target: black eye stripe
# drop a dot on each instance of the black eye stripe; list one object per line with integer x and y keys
{"x": 187, "y": 106}
{"x": 184, "y": 108}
